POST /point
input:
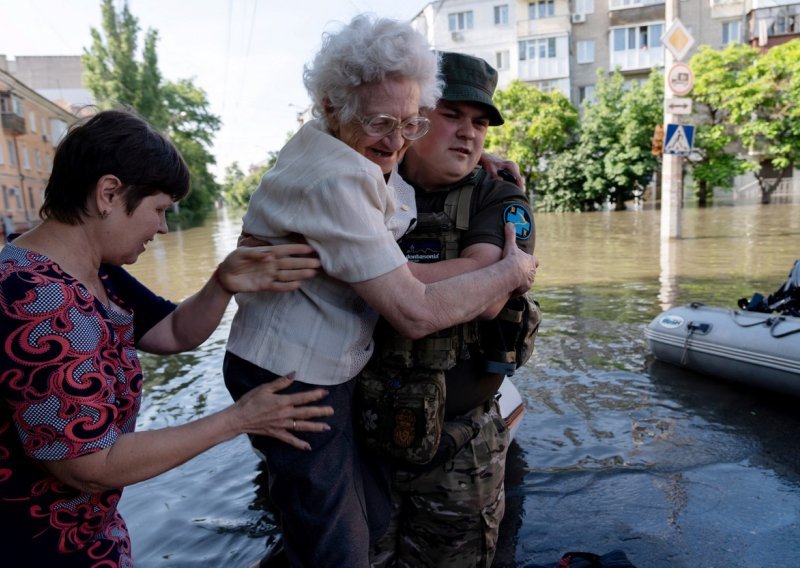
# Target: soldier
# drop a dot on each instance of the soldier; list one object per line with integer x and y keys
{"x": 446, "y": 512}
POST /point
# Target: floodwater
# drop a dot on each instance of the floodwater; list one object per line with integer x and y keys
{"x": 615, "y": 452}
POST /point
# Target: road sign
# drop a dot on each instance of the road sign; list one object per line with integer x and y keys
{"x": 680, "y": 79}
{"x": 679, "y": 139}
{"x": 677, "y": 40}
{"x": 678, "y": 105}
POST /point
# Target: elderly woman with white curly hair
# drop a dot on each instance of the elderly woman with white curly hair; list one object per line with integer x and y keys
{"x": 335, "y": 185}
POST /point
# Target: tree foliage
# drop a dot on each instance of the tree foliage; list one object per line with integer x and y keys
{"x": 765, "y": 107}
{"x": 719, "y": 73}
{"x": 181, "y": 110}
{"x": 615, "y": 138}
{"x": 238, "y": 186}
{"x": 537, "y": 125}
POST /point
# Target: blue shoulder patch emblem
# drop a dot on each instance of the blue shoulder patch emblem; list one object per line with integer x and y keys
{"x": 518, "y": 216}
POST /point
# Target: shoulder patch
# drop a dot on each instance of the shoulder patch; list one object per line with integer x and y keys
{"x": 520, "y": 217}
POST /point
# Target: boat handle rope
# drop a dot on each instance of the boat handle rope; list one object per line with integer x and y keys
{"x": 771, "y": 322}
{"x": 774, "y": 324}
{"x": 690, "y": 329}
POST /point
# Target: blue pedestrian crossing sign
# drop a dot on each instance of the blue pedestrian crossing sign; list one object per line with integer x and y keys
{"x": 679, "y": 139}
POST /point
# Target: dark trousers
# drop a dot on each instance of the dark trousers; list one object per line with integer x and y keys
{"x": 334, "y": 500}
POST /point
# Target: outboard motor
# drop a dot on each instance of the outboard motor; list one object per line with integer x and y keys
{"x": 785, "y": 300}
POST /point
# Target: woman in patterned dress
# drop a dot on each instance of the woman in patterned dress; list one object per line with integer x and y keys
{"x": 71, "y": 321}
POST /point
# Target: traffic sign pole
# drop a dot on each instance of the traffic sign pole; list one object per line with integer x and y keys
{"x": 671, "y": 164}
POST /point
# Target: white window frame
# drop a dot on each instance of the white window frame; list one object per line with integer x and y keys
{"x": 502, "y": 60}
{"x": 501, "y": 15}
{"x": 32, "y": 121}
{"x": 539, "y": 48}
{"x": 624, "y": 4}
{"x": 460, "y": 21}
{"x": 12, "y": 153}
{"x": 26, "y": 160}
{"x": 37, "y": 159}
{"x": 633, "y": 37}
{"x": 727, "y": 36}
{"x": 540, "y": 9}
{"x": 584, "y": 6}
{"x": 2, "y": 161}
{"x": 584, "y": 51}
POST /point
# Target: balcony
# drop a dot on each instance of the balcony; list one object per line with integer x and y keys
{"x": 553, "y": 25}
{"x": 637, "y": 59}
{"x": 13, "y": 123}
{"x": 773, "y": 25}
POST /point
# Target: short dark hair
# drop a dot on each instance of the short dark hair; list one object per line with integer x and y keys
{"x": 112, "y": 142}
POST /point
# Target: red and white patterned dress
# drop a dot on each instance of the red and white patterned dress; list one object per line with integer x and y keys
{"x": 70, "y": 385}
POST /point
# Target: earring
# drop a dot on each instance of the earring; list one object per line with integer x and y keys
{"x": 103, "y": 214}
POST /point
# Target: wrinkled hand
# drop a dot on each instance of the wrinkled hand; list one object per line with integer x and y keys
{"x": 263, "y": 412}
{"x": 525, "y": 263}
{"x": 274, "y": 268}
{"x": 494, "y": 164}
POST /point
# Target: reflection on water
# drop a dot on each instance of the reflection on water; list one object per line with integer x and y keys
{"x": 616, "y": 451}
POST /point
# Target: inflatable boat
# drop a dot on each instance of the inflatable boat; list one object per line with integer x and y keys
{"x": 512, "y": 408}
{"x": 758, "y": 349}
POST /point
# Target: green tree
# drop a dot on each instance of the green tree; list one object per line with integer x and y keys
{"x": 538, "y": 125}
{"x": 718, "y": 73}
{"x": 181, "y": 110}
{"x": 614, "y": 147}
{"x": 238, "y": 186}
{"x": 766, "y": 109}
{"x": 560, "y": 187}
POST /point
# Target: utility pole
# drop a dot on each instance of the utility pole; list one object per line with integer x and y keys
{"x": 671, "y": 164}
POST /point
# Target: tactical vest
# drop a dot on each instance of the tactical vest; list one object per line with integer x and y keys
{"x": 436, "y": 237}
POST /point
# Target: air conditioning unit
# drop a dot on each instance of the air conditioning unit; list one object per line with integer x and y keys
{"x": 457, "y": 36}
{"x": 578, "y": 18}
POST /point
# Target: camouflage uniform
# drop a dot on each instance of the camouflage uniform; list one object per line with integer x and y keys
{"x": 449, "y": 514}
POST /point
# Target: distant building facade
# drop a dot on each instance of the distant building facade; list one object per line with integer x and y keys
{"x": 32, "y": 126}
{"x": 561, "y": 44}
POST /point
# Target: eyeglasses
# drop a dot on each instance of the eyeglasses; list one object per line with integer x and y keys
{"x": 379, "y": 125}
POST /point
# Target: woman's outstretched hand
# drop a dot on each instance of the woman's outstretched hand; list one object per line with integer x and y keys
{"x": 274, "y": 268}
{"x": 263, "y": 412}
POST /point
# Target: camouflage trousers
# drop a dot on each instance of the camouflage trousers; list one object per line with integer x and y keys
{"x": 449, "y": 516}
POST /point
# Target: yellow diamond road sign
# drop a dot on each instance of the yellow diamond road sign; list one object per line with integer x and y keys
{"x": 678, "y": 40}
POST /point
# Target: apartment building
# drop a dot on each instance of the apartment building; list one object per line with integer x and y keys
{"x": 561, "y": 44}
{"x": 32, "y": 126}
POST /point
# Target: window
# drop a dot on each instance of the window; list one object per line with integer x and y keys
{"x": 32, "y": 121}
{"x": 541, "y": 9}
{"x": 26, "y": 161}
{"x": 585, "y": 49}
{"x": 44, "y": 126}
{"x": 37, "y": 159}
{"x": 730, "y": 32}
{"x": 11, "y": 103}
{"x": 12, "y": 154}
{"x": 617, "y": 4}
{"x": 544, "y": 48}
{"x": 584, "y": 6}
{"x": 501, "y": 15}
{"x": 638, "y": 37}
{"x": 57, "y": 128}
{"x": 1, "y": 156}
{"x": 460, "y": 21}
{"x": 502, "y": 59}
{"x": 546, "y": 86}
{"x": 586, "y": 93}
